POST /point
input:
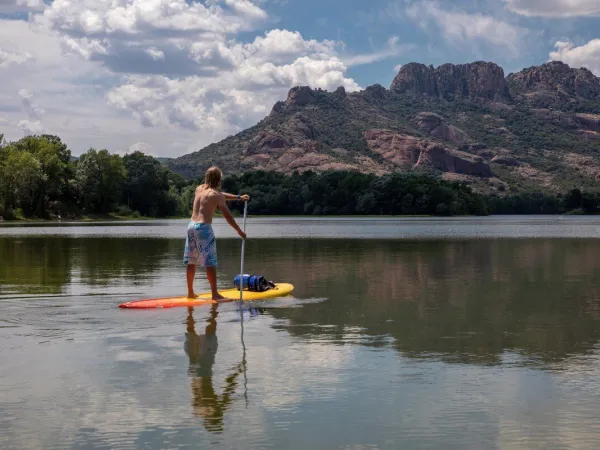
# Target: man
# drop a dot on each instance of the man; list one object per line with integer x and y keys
{"x": 200, "y": 244}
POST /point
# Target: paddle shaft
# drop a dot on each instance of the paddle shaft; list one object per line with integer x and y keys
{"x": 243, "y": 242}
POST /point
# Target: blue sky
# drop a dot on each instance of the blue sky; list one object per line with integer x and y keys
{"x": 171, "y": 76}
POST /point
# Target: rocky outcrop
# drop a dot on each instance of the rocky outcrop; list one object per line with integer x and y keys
{"x": 555, "y": 80}
{"x": 478, "y": 80}
{"x": 376, "y": 92}
{"x": 454, "y": 161}
{"x": 587, "y": 125}
{"x": 415, "y": 78}
{"x": 306, "y": 157}
{"x": 436, "y": 127}
{"x": 404, "y": 150}
{"x": 589, "y": 121}
{"x": 341, "y": 91}
{"x": 267, "y": 142}
{"x": 299, "y": 128}
{"x": 399, "y": 149}
{"x": 300, "y": 96}
{"x": 564, "y": 120}
{"x": 506, "y": 160}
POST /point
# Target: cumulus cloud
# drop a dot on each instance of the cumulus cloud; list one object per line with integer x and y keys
{"x": 459, "y": 27}
{"x": 30, "y": 127}
{"x": 587, "y": 55}
{"x": 235, "y": 99}
{"x": 555, "y": 8}
{"x": 113, "y": 74}
{"x": 14, "y": 6}
{"x": 238, "y": 83}
{"x": 8, "y": 58}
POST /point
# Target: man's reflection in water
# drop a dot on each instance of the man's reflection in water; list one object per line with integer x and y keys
{"x": 201, "y": 350}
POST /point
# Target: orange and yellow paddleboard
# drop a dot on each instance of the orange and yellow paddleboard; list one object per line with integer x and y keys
{"x": 279, "y": 290}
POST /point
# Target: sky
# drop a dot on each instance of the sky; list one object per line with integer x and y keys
{"x": 168, "y": 77}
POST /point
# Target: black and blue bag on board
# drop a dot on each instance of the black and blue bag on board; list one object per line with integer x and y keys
{"x": 254, "y": 283}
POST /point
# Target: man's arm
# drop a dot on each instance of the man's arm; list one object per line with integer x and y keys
{"x": 222, "y": 205}
{"x": 243, "y": 198}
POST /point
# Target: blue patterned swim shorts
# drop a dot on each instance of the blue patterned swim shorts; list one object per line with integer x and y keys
{"x": 200, "y": 245}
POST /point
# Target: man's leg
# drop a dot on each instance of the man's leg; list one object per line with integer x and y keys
{"x": 191, "y": 273}
{"x": 211, "y": 274}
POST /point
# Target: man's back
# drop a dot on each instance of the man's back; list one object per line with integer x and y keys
{"x": 206, "y": 201}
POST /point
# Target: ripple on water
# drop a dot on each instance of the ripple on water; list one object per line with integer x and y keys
{"x": 388, "y": 344}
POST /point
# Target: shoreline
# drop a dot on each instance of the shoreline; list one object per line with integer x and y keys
{"x": 118, "y": 218}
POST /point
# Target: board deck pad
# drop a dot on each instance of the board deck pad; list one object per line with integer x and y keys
{"x": 233, "y": 294}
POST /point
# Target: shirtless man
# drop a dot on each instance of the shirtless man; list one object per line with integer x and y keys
{"x": 200, "y": 244}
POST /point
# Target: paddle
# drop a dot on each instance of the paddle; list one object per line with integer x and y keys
{"x": 243, "y": 242}
{"x": 242, "y": 308}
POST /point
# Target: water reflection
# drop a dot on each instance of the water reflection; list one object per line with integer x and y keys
{"x": 464, "y": 301}
{"x": 35, "y": 265}
{"x": 467, "y": 302}
{"x": 53, "y": 265}
{"x": 201, "y": 348}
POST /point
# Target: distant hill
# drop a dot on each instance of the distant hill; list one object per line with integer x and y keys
{"x": 538, "y": 128}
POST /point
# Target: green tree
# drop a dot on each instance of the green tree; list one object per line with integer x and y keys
{"x": 147, "y": 188}
{"x": 100, "y": 179}
{"x": 56, "y": 171}
{"x": 20, "y": 173}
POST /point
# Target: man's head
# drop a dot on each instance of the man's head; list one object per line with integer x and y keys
{"x": 213, "y": 177}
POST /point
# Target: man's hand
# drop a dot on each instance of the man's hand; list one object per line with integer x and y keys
{"x": 245, "y": 198}
{"x": 242, "y": 234}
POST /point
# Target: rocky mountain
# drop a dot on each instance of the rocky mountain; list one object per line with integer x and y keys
{"x": 478, "y": 80}
{"x": 539, "y": 128}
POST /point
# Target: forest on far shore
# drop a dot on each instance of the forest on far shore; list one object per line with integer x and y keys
{"x": 39, "y": 178}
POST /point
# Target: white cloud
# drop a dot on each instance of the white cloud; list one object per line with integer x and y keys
{"x": 143, "y": 18}
{"x": 397, "y": 68}
{"x": 392, "y": 49}
{"x": 237, "y": 98}
{"x": 247, "y": 9}
{"x": 29, "y": 106}
{"x": 459, "y": 27}
{"x": 587, "y": 55}
{"x": 143, "y": 147}
{"x": 555, "y": 8}
{"x": 14, "y": 6}
{"x": 8, "y": 58}
{"x": 156, "y": 54}
{"x": 117, "y": 74}
{"x": 29, "y": 127}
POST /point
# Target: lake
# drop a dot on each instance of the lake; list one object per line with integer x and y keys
{"x": 458, "y": 333}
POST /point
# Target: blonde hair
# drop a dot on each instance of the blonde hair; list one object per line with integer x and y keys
{"x": 213, "y": 177}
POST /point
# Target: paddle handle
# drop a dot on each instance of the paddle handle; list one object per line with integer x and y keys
{"x": 243, "y": 242}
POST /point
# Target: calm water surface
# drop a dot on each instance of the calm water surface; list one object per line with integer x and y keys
{"x": 401, "y": 333}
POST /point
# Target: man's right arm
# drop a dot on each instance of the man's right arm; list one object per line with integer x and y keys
{"x": 228, "y": 217}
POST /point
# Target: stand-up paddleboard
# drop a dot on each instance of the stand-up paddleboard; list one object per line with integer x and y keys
{"x": 280, "y": 290}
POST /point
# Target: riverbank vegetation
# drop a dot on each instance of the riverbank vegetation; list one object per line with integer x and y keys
{"x": 39, "y": 178}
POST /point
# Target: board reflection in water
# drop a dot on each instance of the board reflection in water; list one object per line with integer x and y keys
{"x": 201, "y": 345}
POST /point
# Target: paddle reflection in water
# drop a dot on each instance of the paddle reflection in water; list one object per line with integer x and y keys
{"x": 201, "y": 349}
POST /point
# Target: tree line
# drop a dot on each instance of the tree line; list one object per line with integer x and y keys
{"x": 40, "y": 178}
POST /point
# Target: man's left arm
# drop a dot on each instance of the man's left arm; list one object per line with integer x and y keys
{"x": 243, "y": 198}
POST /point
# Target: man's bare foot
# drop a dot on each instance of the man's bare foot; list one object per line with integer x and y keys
{"x": 192, "y": 295}
{"x": 218, "y": 297}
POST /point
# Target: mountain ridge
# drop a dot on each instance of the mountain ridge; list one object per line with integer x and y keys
{"x": 537, "y": 128}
